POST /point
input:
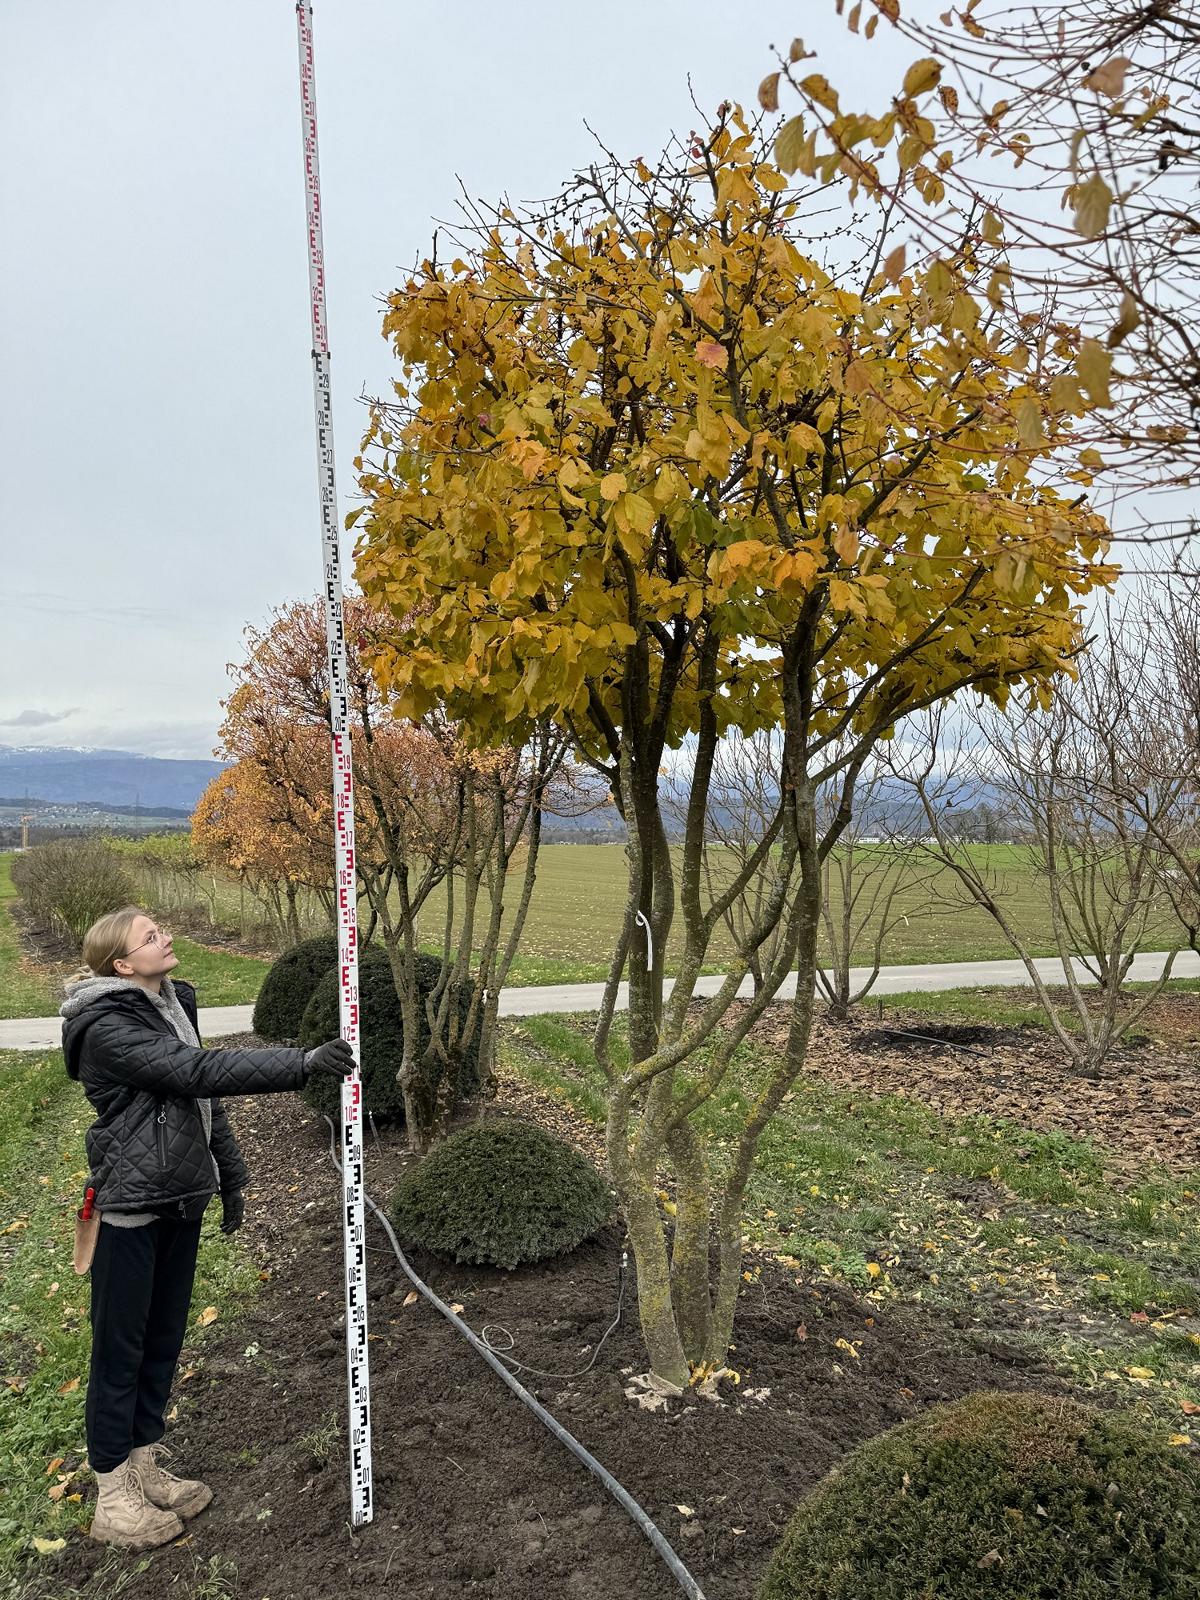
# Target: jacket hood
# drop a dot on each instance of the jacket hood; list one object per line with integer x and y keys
{"x": 93, "y": 997}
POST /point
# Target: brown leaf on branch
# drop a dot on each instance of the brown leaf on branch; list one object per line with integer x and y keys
{"x": 893, "y": 263}
{"x": 1110, "y": 78}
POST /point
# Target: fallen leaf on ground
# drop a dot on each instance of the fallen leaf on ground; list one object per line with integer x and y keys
{"x": 49, "y": 1547}
{"x": 69, "y": 1387}
{"x": 208, "y": 1315}
{"x": 411, "y": 1298}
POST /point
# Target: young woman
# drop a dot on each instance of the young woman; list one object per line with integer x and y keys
{"x": 159, "y": 1149}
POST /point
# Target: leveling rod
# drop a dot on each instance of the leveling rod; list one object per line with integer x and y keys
{"x": 353, "y": 1225}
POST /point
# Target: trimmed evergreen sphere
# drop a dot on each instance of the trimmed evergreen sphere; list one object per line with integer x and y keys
{"x": 288, "y": 987}
{"x": 381, "y": 1037}
{"x": 500, "y": 1193}
{"x": 1000, "y": 1497}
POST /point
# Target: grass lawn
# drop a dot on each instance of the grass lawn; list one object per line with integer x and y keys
{"x": 1017, "y": 1234}
{"x": 44, "y": 1332}
{"x": 23, "y": 991}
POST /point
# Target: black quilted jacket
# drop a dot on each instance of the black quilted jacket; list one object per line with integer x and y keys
{"x": 146, "y": 1149}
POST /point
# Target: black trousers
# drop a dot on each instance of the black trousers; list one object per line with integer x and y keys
{"x": 141, "y": 1291}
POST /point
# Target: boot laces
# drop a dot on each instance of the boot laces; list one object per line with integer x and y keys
{"x": 133, "y": 1482}
{"x": 154, "y": 1460}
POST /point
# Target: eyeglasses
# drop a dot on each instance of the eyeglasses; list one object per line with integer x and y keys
{"x": 158, "y": 935}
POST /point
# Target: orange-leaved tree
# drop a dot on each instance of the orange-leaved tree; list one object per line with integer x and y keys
{"x": 661, "y": 471}
{"x": 431, "y": 815}
{"x": 269, "y": 839}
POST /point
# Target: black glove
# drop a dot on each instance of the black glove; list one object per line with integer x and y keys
{"x": 336, "y": 1059}
{"x": 233, "y": 1210}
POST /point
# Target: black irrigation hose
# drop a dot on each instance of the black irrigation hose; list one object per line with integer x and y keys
{"x": 502, "y": 1351}
{"x": 932, "y": 1038}
{"x": 619, "y": 1493}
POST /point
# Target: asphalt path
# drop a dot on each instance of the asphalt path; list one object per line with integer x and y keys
{"x": 44, "y": 1033}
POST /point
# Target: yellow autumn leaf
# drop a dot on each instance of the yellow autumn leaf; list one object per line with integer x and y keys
{"x": 1093, "y": 201}
{"x": 1094, "y": 364}
{"x": 789, "y": 144}
{"x": 1029, "y": 422}
{"x": 710, "y": 354}
{"x": 49, "y": 1547}
{"x": 873, "y": 1269}
{"x": 1180, "y": 1438}
{"x": 1127, "y": 320}
{"x": 818, "y": 88}
{"x": 1139, "y": 1372}
{"x": 207, "y": 1316}
{"x": 768, "y": 92}
{"x": 612, "y": 485}
{"x": 922, "y": 76}
{"x": 69, "y": 1387}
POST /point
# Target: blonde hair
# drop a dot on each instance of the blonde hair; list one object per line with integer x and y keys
{"x": 105, "y": 942}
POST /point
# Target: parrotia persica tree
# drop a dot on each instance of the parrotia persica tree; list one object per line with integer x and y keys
{"x": 659, "y": 470}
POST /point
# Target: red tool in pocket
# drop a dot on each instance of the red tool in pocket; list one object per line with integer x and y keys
{"x": 87, "y": 1229}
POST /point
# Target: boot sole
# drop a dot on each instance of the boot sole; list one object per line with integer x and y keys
{"x": 129, "y": 1541}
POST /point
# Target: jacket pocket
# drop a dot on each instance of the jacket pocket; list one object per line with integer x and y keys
{"x": 160, "y": 1129}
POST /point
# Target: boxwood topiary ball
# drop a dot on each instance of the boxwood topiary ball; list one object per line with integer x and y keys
{"x": 500, "y": 1193}
{"x": 381, "y": 1037}
{"x": 288, "y": 987}
{"x": 1003, "y": 1496}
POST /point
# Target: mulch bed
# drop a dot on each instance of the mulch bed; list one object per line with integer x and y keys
{"x": 473, "y": 1496}
{"x": 1145, "y": 1106}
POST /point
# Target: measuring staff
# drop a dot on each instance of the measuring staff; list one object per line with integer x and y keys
{"x": 160, "y": 1148}
{"x": 354, "y": 1259}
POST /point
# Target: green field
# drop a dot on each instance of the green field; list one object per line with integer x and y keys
{"x": 577, "y": 906}
{"x": 578, "y": 902}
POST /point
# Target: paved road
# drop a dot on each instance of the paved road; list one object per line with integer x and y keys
{"x": 42, "y": 1033}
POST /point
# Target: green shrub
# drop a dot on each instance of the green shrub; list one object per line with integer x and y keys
{"x": 288, "y": 987}
{"x": 500, "y": 1193}
{"x": 381, "y": 1038}
{"x": 1003, "y": 1496}
{"x": 68, "y": 884}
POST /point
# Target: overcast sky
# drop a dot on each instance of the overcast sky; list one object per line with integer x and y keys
{"x": 158, "y": 477}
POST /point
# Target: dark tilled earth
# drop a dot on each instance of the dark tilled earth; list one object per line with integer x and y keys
{"x": 473, "y": 1496}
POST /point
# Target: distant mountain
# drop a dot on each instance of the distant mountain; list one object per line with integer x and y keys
{"x": 104, "y": 777}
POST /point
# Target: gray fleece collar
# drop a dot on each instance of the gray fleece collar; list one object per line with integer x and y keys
{"x": 88, "y": 990}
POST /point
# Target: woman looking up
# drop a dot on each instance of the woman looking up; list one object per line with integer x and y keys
{"x": 160, "y": 1148}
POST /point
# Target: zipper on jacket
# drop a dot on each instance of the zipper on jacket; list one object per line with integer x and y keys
{"x": 161, "y": 1120}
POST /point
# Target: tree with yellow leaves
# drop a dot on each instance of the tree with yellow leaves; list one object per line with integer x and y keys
{"x": 661, "y": 471}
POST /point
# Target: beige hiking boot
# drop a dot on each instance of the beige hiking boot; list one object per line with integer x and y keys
{"x": 184, "y": 1496}
{"x": 123, "y": 1517}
